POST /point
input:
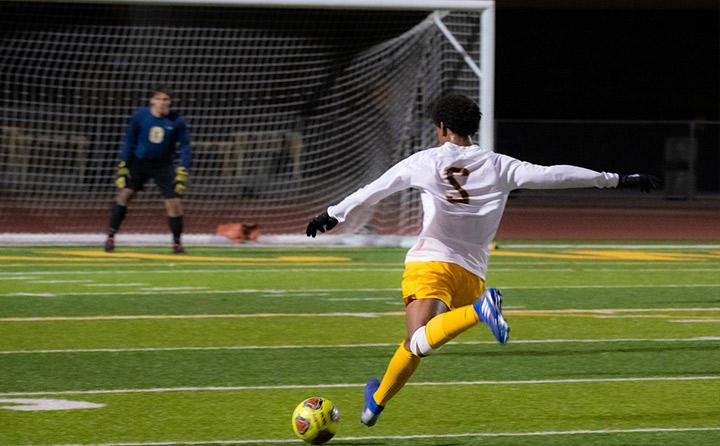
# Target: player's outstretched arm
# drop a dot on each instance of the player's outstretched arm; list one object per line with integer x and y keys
{"x": 322, "y": 223}
{"x": 395, "y": 179}
{"x": 641, "y": 181}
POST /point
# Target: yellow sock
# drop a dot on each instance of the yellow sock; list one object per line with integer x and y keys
{"x": 446, "y": 326}
{"x": 399, "y": 370}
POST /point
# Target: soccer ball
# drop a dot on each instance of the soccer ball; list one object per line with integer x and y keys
{"x": 315, "y": 420}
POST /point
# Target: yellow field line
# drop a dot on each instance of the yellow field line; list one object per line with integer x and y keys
{"x": 83, "y": 257}
{"x": 608, "y": 255}
{"x": 541, "y": 255}
{"x": 189, "y": 258}
{"x": 640, "y": 255}
{"x": 59, "y": 263}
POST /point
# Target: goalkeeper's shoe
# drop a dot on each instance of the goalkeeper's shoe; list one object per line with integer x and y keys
{"x": 371, "y": 411}
{"x": 178, "y": 248}
{"x": 489, "y": 311}
{"x": 110, "y": 244}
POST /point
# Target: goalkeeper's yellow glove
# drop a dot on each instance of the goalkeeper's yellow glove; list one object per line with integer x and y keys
{"x": 122, "y": 176}
{"x": 182, "y": 177}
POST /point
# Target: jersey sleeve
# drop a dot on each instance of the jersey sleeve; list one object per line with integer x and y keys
{"x": 516, "y": 174}
{"x": 184, "y": 144}
{"x": 131, "y": 138}
{"x": 395, "y": 179}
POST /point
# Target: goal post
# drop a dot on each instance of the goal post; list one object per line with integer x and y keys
{"x": 401, "y": 5}
{"x": 292, "y": 105}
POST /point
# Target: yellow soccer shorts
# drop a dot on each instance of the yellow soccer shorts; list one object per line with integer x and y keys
{"x": 448, "y": 282}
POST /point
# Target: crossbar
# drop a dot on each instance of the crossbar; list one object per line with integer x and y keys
{"x": 398, "y": 5}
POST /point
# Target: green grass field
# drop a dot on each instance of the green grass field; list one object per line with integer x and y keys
{"x": 610, "y": 346}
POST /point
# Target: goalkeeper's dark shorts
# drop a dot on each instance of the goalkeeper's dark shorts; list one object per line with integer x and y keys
{"x": 162, "y": 172}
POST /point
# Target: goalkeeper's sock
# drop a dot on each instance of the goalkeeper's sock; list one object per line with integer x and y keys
{"x": 399, "y": 370}
{"x": 117, "y": 215}
{"x": 444, "y": 327}
{"x": 176, "y": 227}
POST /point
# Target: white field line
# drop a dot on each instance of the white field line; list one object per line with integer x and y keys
{"x": 352, "y": 299}
{"x": 366, "y": 345}
{"x": 349, "y": 385}
{"x": 274, "y": 291}
{"x": 641, "y": 430}
{"x": 62, "y": 281}
{"x": 603, "y": 311}
{"x": 537, "y": 434}
{"x": 112, "y": 285}
{"x": 298, "y": 294}
{"x": 290, "y": 292}
{"x": 198, "y": 316}
{"x": 177, "y": 288}
{"x": 34, "y": 295}
{"x": 390, "y": 268}
{"x": 619, "y": 310}
{"x": 696, "y": 321}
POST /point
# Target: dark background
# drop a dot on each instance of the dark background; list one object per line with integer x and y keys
{"x": 596, "y": 83}
{"x": 608, "y": 60}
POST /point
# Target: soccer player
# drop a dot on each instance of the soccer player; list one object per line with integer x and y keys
{"x": 150, "y": 149}
{"x": 464, "y": 189}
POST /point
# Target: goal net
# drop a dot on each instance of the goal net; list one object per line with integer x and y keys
{"x": 290, "y": 110}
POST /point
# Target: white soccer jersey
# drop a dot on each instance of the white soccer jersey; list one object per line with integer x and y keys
{"x": 464, "y": 191}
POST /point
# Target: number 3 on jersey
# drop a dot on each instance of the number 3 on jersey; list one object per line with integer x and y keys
{"x": 450, "y": 174}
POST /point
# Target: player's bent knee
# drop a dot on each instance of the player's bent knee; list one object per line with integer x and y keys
{"x": 419, "y": 344}
{"x": 123, "y": 197}
{"x": 173, "y": 206}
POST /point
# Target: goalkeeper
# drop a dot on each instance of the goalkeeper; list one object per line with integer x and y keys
{"x": 464, "y": 189}
{"x": 154, "y": 138}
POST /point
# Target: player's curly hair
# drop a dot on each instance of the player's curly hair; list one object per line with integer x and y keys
{"x": 458, "y": 113}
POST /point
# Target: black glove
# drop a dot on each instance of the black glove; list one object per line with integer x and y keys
{"x": 642, "y": 181}
{"x": 122, "y": 175}
{"x": 320, "y": 223}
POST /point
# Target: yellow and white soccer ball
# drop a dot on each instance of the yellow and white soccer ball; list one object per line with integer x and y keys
{"x": 315, "y": 420}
